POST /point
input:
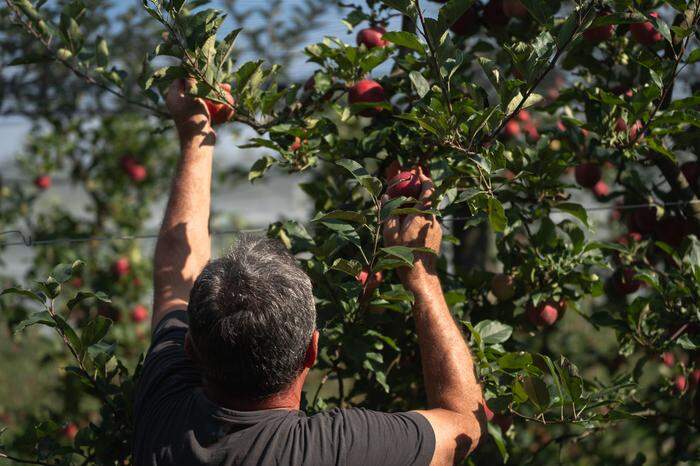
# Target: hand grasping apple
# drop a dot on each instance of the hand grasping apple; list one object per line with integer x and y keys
{"x": 416, "y": 231}
{"x": 195, "y": 116}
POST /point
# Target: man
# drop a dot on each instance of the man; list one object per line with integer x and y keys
{"x": 235, "y": 338}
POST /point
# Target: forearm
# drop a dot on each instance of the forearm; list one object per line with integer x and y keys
{"x": 183, "y": 247}
{"x": 448, "y": 370}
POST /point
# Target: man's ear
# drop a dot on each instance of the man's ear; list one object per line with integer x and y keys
{"x": 312, "y": 351}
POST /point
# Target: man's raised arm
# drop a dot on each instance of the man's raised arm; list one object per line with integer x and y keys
{"x": 184, "y": 247}
{"x": 454, "y": 395}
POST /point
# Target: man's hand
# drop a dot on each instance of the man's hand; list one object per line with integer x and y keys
{"x": 417, "y": 231}
{"x": 190, "y": 114}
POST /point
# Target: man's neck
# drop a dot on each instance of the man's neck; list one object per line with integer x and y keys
{"x": 288, "y": 399}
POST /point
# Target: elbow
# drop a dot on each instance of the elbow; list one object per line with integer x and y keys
{"x": 473, "y": 427}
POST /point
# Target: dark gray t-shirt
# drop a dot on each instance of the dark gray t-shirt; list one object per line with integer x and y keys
{"x": 176, "y": 424}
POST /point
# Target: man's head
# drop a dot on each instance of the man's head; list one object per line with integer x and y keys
{"x": 252, "y": 319}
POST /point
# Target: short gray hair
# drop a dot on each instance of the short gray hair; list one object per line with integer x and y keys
{"x": 252, "y": 315}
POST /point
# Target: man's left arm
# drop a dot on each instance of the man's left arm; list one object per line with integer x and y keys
{"x": 184, "y": 245}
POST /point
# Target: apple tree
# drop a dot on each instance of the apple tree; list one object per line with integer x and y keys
{"x": 561, "y": 136}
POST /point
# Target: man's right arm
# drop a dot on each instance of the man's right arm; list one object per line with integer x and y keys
{"x": 454, "y": 395}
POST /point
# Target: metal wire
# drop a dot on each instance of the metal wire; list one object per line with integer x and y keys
{"x": 29, "y": 242}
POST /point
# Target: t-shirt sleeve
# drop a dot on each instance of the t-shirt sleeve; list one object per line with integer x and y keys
{"x": 167, "y": 370}
{"x": 362, "y": 436}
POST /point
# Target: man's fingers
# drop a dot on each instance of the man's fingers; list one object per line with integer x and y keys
{"x": 392, "y": 227}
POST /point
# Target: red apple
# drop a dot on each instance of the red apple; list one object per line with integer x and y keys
{"x": 137, "y": 173}
{"x": 487, "y": 411}
{"x": 629, "y": 238}
{"x": 502, "y": 421}
{"x": 644, "y": 220}
{"x": 364, "y": 91}
{"x": 531, "y": 132}
{"x": 219, "y": 112}
{"x": 76, "y": 282}
{"x": 127, "y": 161}
{"x": 369, "y": 281}
{"x": 620, "y": 125}
{"x": 544, "y": 315}
{"x": 371, "y": 37}
{"x": 467, "y": 24}
{"x": 523, "y": 115}
{"x": 42, "y": 182}
{"x": 391, "y": 170}
{"x": 681, "y": 383}
{"x": 588, "y": 174}
{"x": 671, "y": 230}
{"x": 691, "y": 171}
{"x": 668, "y": 359}
{"x": 600, "y": 189}
{"x": 695, "y": 377}
{"x": 624, "y": 282}
{"x": 70, "y": 431}
{"x": 405, "y": 184}
{"x": 503, "y": 287}
{"x": 310, "y": 83}
{"x": 645, "y": 33}
{"x": 514, "y": 9}
{"x": 494, "y": 14}
{"x": 596, "y": 35}
{"x": 139, "y": 313}
{"x": 121, "y": 267}
{"x": 599, "y": 34}
{"x": 296, "y": 145}
{"x": 635, "y": 129}
{"x": 512, "y": 129}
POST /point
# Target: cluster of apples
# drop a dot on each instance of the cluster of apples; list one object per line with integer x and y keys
{"x": 495, "y": 14}
{"x": 681, "y": 383}
{"x": 522, "y": 123}
{"x": 643, "y": 33}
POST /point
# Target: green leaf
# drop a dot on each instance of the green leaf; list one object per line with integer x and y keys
{"x": 357, "y": 170}
{"x": 497, "y": 215}
{"x": 515, "y": 360}
{"x": 341, "y": 215}
{"x": 693, "y": 57}
{"x": 453, "y": 10}
{"x": 537, "y": 392}
{"x": 350, "y": 267}
{"x": 405, "y": 39}
{"x": 260, "y": 167}
{"x": 497, "y": 437}
{"x": 420, "y": 84}
{"x": 26, "y": 293}
{"x": 576, "y": 210}
{"x": 95, "y": 331}
{"x": 101, "y": 52}
{"x": 64, "y": 272}
{"x": 543, "y": 11}
{"x": 83, "y": 295}
{"x": 403, "y": 253}
{"x": 406, "y": 7}
{"x": 493, "y": 332}
{"x": 41, "y": 317}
